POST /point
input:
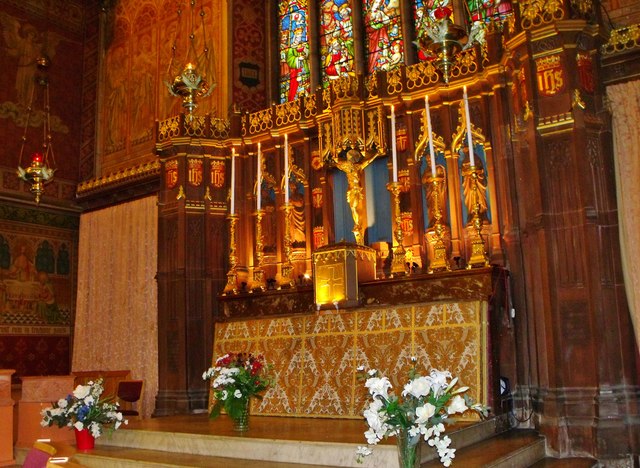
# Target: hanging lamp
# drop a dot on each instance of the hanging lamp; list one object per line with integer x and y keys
{"x": 41, "y": 167}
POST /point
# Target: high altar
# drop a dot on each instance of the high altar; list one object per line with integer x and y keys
{"x": 330, "y": 203}
{"x": 370, "y": 251}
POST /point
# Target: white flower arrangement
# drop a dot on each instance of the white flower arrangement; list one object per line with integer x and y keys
{"x": 427, "y": 402}
{"x": 83, "y": 409}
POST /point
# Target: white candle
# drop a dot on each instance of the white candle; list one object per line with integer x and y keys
{"x": 286, "y": 169}
{"x": 472, "y": 161}
{"x": 394, "y": 152}
{"x": 259, "y": 179}
{"x": 431, "y": 152}
{"x": 232, "y": 208}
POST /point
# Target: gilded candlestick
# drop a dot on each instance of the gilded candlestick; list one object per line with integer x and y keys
{"x": 399, "y": 253}
{"x": 232, "y": 274}
{"x": 286, "y": 271}
{"x": 258, "y": 273}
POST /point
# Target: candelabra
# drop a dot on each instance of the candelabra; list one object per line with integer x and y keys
{"x": 439, "y": 260}
{"x": 286, "y": 272}
{"x": 258, "y": 273}
{"x": 478, "y": 254}
{"x": 399, "y": 253}
{"x": 232, "y": 274}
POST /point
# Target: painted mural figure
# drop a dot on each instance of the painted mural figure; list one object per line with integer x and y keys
{"x": 116, "y": 100}
{"x": 22, "y": 268}
{"x": 46, "y": 306}
{"x": 25, "y": 43}
{"x": 143, "y": 90}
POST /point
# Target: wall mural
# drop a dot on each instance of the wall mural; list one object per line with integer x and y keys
{"x": 24, "y": 37}
{"x": 136, "y": 77}
{"x": 37, "y": 292}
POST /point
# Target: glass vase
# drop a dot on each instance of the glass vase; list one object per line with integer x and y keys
{"x": 241, "y": 423}
{"x": 409, "y": 449}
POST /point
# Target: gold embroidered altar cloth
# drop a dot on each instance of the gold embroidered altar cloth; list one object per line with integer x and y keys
{"x": 315, "y": 356}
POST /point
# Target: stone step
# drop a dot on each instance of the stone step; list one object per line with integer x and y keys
{"x": 270, "y": 441}
{"x": 122, "y": 457}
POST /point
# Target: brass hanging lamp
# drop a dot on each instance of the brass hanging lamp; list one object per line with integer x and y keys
{"x": 192, "y": 79}
{"x": 42, "y": 165}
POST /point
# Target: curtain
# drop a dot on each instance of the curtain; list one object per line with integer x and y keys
{"x": 625, "y": 109}
{"x": 116, "y": 323}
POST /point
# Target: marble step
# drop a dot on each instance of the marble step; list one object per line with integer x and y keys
{"x": 122, "y": 457}
{"x": 160, "y": 446}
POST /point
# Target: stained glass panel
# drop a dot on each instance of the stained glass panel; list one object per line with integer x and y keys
{"x": 294, "y": 49}
{"x": 489, "y": 10}
{"x": 336, "y": 39}
{"x": 385, "y": 48}
{"x": 424, "y": 16}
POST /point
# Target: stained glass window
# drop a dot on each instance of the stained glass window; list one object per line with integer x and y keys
{"x": 423, "y": 17}
{"x": 489, "y": 10}
{"x": 294, "y": 49}
{"x": 384, "y": 45}
{"x": 336, "y": 39}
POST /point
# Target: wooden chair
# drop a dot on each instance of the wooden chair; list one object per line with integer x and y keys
{"x": 129, "y": 392}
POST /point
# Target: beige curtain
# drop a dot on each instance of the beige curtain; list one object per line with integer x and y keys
{"x": 116, "y": 313}
{"x": 625, "y": 109}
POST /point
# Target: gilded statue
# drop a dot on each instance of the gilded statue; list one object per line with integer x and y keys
{"x": 474, "y": 189}
{"x": 353, "y": 166}
{"x": 296, "y": 199}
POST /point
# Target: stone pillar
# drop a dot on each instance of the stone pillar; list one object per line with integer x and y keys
{"x": 6, "y": 415}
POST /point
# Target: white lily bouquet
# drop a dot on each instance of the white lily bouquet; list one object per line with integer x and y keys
{"x": 85, "y": 409}
{"x": 427, "y": 402}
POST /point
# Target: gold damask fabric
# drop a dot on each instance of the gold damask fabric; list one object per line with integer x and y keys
{"x": 116, "y": 315}
{"x": 625, "y": 112}
{"x": 315, "y": 357}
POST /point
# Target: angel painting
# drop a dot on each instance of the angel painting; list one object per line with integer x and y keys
{"x": 26, "y": 43}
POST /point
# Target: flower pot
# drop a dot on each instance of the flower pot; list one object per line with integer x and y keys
{"x": 241, "y": 423}
{"x": 84, "y": 440}
{"x": 409, "y": 452}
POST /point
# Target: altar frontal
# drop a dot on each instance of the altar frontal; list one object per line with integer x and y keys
{"x": 315, "y": 356}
